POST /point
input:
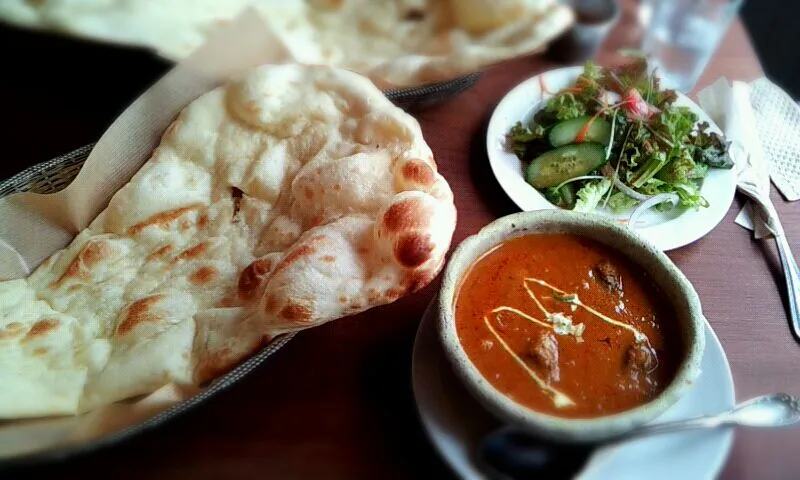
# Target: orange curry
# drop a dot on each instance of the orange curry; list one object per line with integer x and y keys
{"x": 567, "y": 326}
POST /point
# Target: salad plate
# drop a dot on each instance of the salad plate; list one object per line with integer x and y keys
{"x": 668, "y": 225}
{"x": 455, "y": 423}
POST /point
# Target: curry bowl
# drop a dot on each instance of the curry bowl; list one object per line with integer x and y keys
{"x": 569, "y": 325}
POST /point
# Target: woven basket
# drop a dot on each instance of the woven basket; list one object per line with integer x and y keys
{"x": 53, "y": 175}
{"x": 416, "y": 98}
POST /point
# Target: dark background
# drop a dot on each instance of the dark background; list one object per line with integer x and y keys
{"x": 775, "y": 33}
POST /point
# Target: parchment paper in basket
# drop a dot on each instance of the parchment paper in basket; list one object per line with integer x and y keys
{"x": 34, "y": 226}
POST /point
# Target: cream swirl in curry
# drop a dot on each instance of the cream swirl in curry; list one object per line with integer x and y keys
{"x": 567, "y": 326}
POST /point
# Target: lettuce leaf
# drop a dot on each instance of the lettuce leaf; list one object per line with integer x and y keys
{"x": 591, "y": 194}
{"x": 688, "y": 192}
{"x": 619, "y": 202}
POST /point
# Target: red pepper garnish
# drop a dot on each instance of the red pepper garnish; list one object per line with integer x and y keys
{"x": 636, "y": 107}
{"x": 581, "y": 136}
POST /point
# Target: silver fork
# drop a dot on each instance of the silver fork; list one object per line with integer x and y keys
{"x": 791, "y": 272}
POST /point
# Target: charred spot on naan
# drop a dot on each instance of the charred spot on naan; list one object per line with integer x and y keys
{"x": 305, "y": 250}
{"x": 418, "y": 173}
{"x": 163, "y": 219}
{"x": 191, "y": 253}
{"x": 296, "y": 313}
{"x": 160, "y": 253}
{"x": 407, "y": 214}
{"x": 139, "y": 312}
{"x": 90, "y": 255}
{"x": 204, "y": 275}
{"x": 251, "y": 278}
{"x": 186, "y": 223}
{"x": 414, "y": 15}
{"x": 413, "y": 249}
{"x": 41, "y": 328}
{"x": 220, "y": 362}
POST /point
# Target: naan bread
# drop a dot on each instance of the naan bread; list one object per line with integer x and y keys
{"x": 290, "y": 197}
{"x": 403, "y": 42}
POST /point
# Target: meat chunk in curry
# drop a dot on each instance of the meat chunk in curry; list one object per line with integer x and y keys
{"x": 641, "y": 357}
{"x": 543, "y": 349}
{"x": 607, "y": 273}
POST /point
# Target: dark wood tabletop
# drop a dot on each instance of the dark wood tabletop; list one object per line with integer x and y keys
{"x": 336, "y": 402}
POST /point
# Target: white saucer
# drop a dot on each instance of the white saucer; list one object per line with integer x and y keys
{"x": 666, "y": 230}
{"x": 455, "y": 423}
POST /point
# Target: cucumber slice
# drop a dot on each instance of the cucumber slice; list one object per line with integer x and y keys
{"x": 556, "y": 166}
{"x": 599, "y": 131}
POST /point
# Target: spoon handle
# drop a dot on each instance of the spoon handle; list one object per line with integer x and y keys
{"x": 709, "y": 421}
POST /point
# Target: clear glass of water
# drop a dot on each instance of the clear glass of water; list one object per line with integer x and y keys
{"x": 682, "y": 35}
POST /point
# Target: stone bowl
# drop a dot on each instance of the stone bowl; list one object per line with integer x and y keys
{"x": 673, "y": 284}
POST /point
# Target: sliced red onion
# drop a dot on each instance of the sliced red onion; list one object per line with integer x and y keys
{"x": 650, "y": 203}
{"x": 612, "y": 175}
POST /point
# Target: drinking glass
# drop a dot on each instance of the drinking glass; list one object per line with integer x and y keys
{"x": 682, "y": 35}
{"x": 594, "y": 19}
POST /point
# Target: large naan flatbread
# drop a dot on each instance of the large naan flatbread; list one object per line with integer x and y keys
{"x": 290, "y": 197}
{"x": 403, "y": 42}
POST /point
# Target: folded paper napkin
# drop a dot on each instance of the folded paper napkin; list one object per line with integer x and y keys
{"x": 763, "y": 124}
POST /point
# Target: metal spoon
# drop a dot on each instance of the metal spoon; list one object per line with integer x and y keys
{"x": 509, "y": 453}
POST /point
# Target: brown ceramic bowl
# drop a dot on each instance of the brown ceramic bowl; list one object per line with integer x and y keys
{"x": 669, "y": 279}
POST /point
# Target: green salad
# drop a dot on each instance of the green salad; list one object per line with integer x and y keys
{"x": 615, "y": 139}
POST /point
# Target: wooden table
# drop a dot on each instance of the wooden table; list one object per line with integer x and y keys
{"x": 337, "y": 402}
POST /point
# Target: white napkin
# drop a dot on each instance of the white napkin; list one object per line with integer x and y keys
{"x": 730, "y": 105}
{"x": 778, "y": 122}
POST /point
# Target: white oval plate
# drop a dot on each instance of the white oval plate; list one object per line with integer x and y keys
{"x": 455, "y": 423}
{"x": 666, "y": 230}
